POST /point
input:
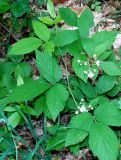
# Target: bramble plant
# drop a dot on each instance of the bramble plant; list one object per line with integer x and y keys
{"x": 89, "y": 92}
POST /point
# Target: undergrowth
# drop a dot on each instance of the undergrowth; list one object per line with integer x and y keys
{"x": 73, "y": 73}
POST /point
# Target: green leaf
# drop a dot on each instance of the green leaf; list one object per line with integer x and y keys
{"x": 68, "y": 16}
{"x": 49, "y": 47}
{"x": 50, "y": 8}
{"x": 56, "y": 142}
{"x": 109, "y": 114}
{"x": 103, "y": 41}
{"x": 41, "y": 30}
{"x": 115, "y": 90}
{"x": 105, "y": 84}
{"x": 88, "y": 46}
{"x": 48, "y": 67}
{"x": 40, "y": 105}
{"x": 56, "y": 98}
{"x": 79, "y": 69}
{"x": 103, "y": 142}
{"x": 82, "y": 121}
{"x": 75, "y": 48}
{"x": 20, "y": 7}
{"x": 88, "y": 89}
{"x": 25, "y": 92}
{"x": 47, "y": 20}
{"x": 24, "y": 46}
{"x": 23, "y": 69}
{"x": 85, "y": 22}
{"x": 28, "y": 110}
{"x": 75, "y": 149}
{"x": 6, "y": 69}
{"x": 105, "y": 55}
{"x": 66, "y": 37}
{"x": 14, "y": 119}
{"x": 4, "y": 6}
{"x": 75, "y": 136}
{"x": 99, "y": 42}
{"x": 79, "y": 126}
{"x": 110, "y": 68}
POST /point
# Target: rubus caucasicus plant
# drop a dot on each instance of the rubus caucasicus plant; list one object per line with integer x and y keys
{"x": 89, "y": 92}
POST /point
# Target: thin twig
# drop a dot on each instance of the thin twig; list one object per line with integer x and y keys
{"x": 4, "y": 27}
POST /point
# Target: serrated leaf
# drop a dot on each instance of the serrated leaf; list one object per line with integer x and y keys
{"x": 75, "y": 136}
{"x": 25, "y": 92}
{"x": 110, "y": 68}
{"x": 109, "y": 114}
{"x": 68, "y": 16}
{"x": 56, "y": 98}
{"x": 25, "y": 46}
{"x": 82, "y": 121}
{"x": 50, "y": 8}
{"x": 103, "y": 142}
{"x": 14, "y": 119}
{"x": 48, "y": 67}
{"x": 41, "y": 30}
{"x": 85, "y": 22}
{"x": 66, "y": 37}
{"x": 79, "y": 126}
{"x": 105, "y": 84}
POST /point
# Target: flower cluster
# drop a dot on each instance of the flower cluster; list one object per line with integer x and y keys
{"x": 97, "y": 62}
{"x": 90, "y": 73}
{"x": 83, "y": 107}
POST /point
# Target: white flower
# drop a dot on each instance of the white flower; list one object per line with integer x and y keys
{"x": 80, "y": 64}
{"x": 90, "y": 106}
{"x": 78, "y": 107}
{"x": 83, "y": 109}
{"x": 77, "y": 112}
{"x": 94, "y": 56}
{"x": 85, "y": 72}
{"x": 78, "y": 61}
{"x": 85, "y": 63}
{"x": 82, "y": 100}
{"x": 94, "y": 70}
{"x": 90, "y": 74}
{"x": 98, "y": 63}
